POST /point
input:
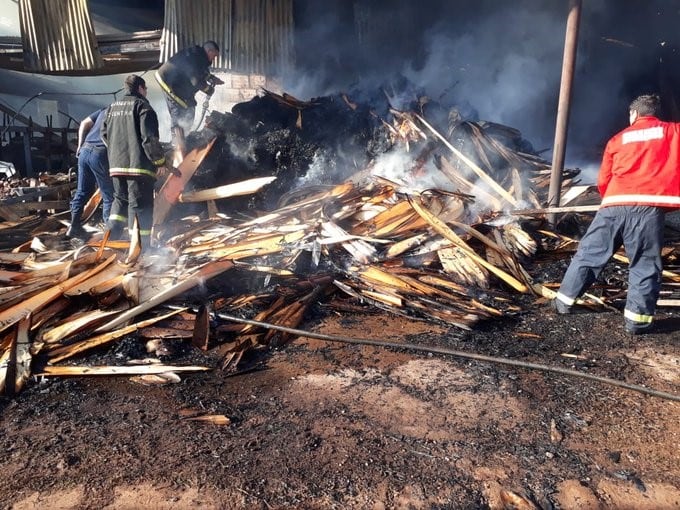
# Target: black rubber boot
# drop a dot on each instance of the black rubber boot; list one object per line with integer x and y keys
{"x": 76, "y": 230}
{"x": 560, "y": 307}
{"x": 638, "y": 328}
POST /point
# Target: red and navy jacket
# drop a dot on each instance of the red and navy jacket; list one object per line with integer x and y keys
{"x": 641, "y": 165}
{"x": 130, "y": 132}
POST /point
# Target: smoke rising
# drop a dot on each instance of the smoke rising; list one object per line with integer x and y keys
{"x": 502, "y": 60}
{"x": 494, "y": 60}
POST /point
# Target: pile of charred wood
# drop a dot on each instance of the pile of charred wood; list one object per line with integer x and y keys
{"x": 25, "y": 201}
{"x": 454, "y": 254}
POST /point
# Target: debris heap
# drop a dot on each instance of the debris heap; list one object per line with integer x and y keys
{"x": 454, "y": 254}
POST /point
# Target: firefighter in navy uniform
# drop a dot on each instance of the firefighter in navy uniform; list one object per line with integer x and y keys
{"x": 639, "y": 181}
{"x": 181, "y": 77}
{"x": 130, "y": 131}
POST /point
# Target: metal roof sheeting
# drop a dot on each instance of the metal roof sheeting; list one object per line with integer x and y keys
{"x": 192, "y": 22}
{"x": 58, "y": 35}
{"x": 255, "y": 36}
{"x": 263, "y": 36}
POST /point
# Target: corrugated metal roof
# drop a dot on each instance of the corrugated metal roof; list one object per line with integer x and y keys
{"x": 58, "y": 35}
{"x": 192, "y": 22}
{"x": 263, "y": 36}
{"x": 255, "y": 36}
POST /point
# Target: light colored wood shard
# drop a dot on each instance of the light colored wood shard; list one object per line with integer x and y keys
{"x": 14, "y": 258}
{"x": 387, "y": 299}
{"x": 360, "y": 250}
{"x": 157, "y": 379}
{"x": 462, "y": 268}
{"x": 405, "y": 245}
{"x": 213, "y": 419}
{"x": 97, "y": 284}
{"x": 68, "y": 351}
{"x": 18, "y": 365}
{"x": 497, "y": 188}
{"x": 449, "y": 234}
{"x": 15, "y": 313}
{"x": 203, "y": 273}
{"x": 158, "y": 332}
{"x": 75, "y": 323}
{"x": 116, "y": 370}
{"x": 250, "y": 248}
{"x": 236, "y": 189}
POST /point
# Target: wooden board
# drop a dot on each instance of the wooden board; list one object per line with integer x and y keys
{"x": 174, "y": 185}
{"x": 236, "y": 189}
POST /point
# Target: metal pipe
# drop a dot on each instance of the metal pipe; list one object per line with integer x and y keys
{"x": 459, "y": 354}
{"x": 564, "y": 105}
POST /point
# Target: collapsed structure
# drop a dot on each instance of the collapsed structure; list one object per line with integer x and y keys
{"x": 426, "y": 224}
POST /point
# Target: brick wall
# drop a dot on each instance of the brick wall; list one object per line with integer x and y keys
{"x": 238, "y": 88}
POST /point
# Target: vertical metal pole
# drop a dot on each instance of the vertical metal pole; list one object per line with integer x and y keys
{"x": 28, "y": 158}
{"x": 568, "y": 65}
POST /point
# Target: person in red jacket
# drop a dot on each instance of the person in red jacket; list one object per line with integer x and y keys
{"x": 639, "y": 181}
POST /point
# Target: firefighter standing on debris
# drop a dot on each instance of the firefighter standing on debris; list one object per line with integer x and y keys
{"x": 639, "y": 181}
{"x": 130, "y": 131}
{"x": 93, "y": 171}
{"x": 184, "y": 74}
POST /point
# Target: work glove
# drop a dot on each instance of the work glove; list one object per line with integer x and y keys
{"x": 162, "y": 171}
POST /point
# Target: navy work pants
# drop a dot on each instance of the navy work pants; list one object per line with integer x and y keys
{"x": 132, "y": 196}
{"x": 179, "y": 115}
{"x": 640, "y": 230}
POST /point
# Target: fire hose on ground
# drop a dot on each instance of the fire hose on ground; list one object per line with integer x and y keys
{"x": 451, "y": 352}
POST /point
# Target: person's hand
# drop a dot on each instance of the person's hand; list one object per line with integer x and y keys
{"x": 215, "y": 80}
{"x": 165, "y": 170}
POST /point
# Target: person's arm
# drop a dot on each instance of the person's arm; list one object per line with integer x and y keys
{"x": 211, "y": 81}
{"x": 83, "y": 130}
{"x": 605, "y": 174}
{"x": 203, "y": 80}
{"x": 151, "y": 143}
{"x": 104, "y": 128}
{"x": 149, "y": 137}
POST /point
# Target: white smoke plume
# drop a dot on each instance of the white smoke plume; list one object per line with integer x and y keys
{"x": 503, "y": 59}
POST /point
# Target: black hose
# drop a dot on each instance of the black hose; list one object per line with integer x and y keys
{"x": 459, "y": 354}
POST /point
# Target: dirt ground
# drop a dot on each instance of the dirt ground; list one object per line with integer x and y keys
{"x": 319, "y": 425}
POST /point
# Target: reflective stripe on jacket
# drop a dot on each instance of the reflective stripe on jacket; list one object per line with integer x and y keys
{"x": 130, "y": 131}
{"x": 184, "y": 74}
{"x": 641, "y": 165}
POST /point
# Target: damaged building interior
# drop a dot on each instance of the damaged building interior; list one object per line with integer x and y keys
{"x": 344, "y": 294}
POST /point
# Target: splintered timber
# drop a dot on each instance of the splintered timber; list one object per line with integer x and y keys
{"x": 452, "y": 254}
